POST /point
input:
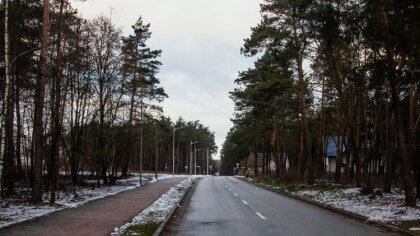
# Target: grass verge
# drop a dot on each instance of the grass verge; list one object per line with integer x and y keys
{"x": 414, "y": 225}
{"x": 292, "y": 187}
{"x": 142, "y": 229}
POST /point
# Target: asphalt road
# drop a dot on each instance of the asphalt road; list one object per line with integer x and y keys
{"x": 228, "y": 206}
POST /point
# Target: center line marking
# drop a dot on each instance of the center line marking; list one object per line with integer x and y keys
{"x": 236, "y": 195}
{"x": 261, "y": 216}
{"x": 245, "y": 202}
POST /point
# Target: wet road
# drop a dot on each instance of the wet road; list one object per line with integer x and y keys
{"x": 228, "y": 206}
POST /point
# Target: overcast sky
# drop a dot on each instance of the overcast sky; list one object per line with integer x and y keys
{"x": 201, "y": 41}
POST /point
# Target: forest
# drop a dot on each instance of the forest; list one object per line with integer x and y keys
{"x": 346, "y": 70}
{"x": 82, "y": 101}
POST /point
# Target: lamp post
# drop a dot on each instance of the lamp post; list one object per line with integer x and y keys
{"x": 207, "y": 166}
{"x": 157, "y": 152}
{"x": 141, "y": 139}
{"x": 195, "y": 160}
{"x": 173, "y": 150}
{"x": 192, "y": 156}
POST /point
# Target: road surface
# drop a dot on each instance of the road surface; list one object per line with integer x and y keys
{"x": 228, "y": 206}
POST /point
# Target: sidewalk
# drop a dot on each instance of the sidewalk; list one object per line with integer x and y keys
{"x": 98, "y": 217}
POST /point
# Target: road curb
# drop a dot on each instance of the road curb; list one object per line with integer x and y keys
{"x": 336, "y": 210}
{"x": 171, "y": 213}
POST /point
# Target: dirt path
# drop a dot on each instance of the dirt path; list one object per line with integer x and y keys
{"x": 98, "y": 217}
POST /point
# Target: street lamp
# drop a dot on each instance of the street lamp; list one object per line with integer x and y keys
{"x": 192, "y": 156}
{"x": 157, "y": 152}
{"x": 173, "y": 150}
{"x": 207, "y": 166}
{"x": 195, "y": 160}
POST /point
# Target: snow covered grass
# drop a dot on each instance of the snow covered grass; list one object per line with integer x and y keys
{"x": 157, "y": 212}
{"x": 385, "y": 207}
{"x": 17, "y": 209}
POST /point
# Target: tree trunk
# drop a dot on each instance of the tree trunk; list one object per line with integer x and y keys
{"x": 55, "y": 113}
{"x": 408, "y": 183}
{"x": 275, "y": 147}
{"x": 255, "y": 160}
{"x": 338, "y": 162}
{"x": 9, "y": 155}
{"x": 305, "y": 152}
{"x": 355, "y": 144}
{"x": 5, "y": 92}
{"x": 264, "y": 157}
{"x": 368, "y": 188}
{"x": 19, "y": 130}
{"x": 322, "y": 168}
{"x": 394, "y": 77}
{"x": 38, "y": 129}
{"x": 389, "y": 168}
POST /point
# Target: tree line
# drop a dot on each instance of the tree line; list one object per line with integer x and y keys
{"x": 80, "y": 98}
{"x": 342, "y": 69}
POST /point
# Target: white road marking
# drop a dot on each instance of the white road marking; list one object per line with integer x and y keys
{"x": 261, "y": 216}
{"x": 245, "y": 202}
{"x": 230, "y": 190}
{"x": 236, "y": 195}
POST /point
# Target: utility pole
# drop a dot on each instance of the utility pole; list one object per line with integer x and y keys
{"x": 157, "y": 153}
{"x": 173, "y": 150}
{"x": 207, "y": 166}
{"x": 191, "y": 157}
{"x": 173, "y": 153}
{"x": 141, "y": 140}
{"x": 195, "y": 159}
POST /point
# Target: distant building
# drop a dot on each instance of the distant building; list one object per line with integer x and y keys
{"x": 330, "y": 152}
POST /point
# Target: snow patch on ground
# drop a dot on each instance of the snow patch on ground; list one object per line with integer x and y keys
{"x": 15, "y": 213}
{"x": 377, "y": 219}
{"x": 158, "y": 211}
{"x": 351, "y": 191}
{"x": 16, "y": 210}
{"x": 386, "y": 208}
{"x": 308, "y": 193}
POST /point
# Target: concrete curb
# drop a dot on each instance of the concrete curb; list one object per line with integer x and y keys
{"x": 336, "y": 210}
{"x": 171, "y": 213}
